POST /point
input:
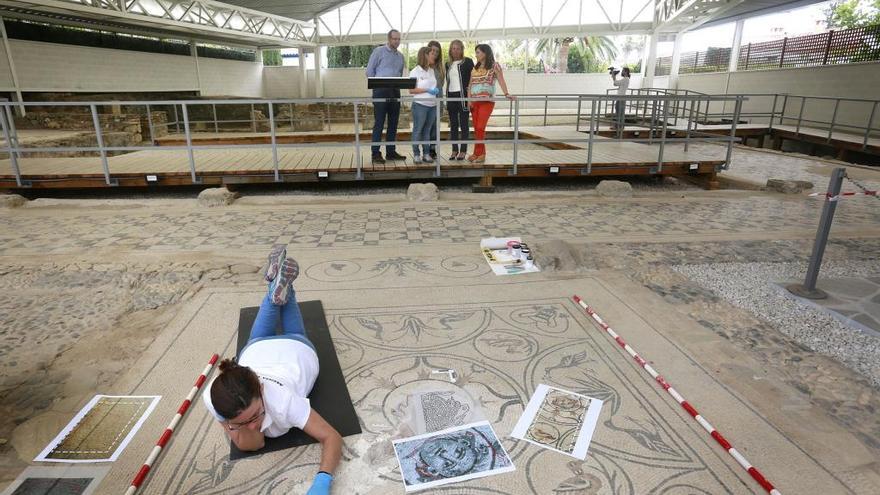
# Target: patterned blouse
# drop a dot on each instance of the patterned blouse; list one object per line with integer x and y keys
{"x": 483, "y": 81}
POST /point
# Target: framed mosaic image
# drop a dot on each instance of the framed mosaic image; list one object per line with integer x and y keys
{"x": 101, "y": 430}
{"x": 559, "y": 420}
{"x": 449, "y": 456}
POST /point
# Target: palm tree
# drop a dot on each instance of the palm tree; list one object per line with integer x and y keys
{"x": 593, "y": 49}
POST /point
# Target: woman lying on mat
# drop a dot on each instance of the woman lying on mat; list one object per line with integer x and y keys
{"x": 264, "y": 393}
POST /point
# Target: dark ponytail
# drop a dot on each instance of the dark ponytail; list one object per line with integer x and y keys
{"x": 234, "y": 389}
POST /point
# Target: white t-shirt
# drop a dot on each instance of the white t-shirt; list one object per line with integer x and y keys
{"x": 622, "y": 85}
{"x": 425, "y": 79}
{"x": 287, "y": 369}
{"x": 453, "y": 77}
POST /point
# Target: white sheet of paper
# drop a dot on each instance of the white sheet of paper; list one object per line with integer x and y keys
{"x": 42, "y": 457}
{"x": 585, "y": 435}
{"x": 431, "y": 484}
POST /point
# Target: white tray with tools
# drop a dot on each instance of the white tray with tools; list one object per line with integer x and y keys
{"x": 505, "y": 258}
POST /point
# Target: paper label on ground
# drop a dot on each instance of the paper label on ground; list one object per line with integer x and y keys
{"x": 559, "y": 420}
{"x": 450, "y": 456}
{"x": 101, "y": 430}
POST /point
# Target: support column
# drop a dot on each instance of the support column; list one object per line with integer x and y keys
{"x": 676, "y": 61}
{"x": 319, "y": 84}
{"x": 21, "y": 110}
{"x": 194, "y": 52}
{"x": 651, "y": 63}
{"x": 737, "y": 43}
{"x": 303, "y": 74}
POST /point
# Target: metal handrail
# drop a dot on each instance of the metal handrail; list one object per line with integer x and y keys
{"x": 662, "y": 101}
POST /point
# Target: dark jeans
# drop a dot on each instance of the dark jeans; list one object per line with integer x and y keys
{"x": 619, "y": 113}
{"x": 389, "y": 110}
{"x": 458, "y": 122}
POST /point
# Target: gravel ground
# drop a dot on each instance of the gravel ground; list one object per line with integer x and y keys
{"x": 753, "y": 287}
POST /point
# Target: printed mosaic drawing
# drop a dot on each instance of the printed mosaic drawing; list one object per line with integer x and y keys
{"x": 452, "y": 455}
{"x": 441, "y": 410}
{"x": 559, "y": 420}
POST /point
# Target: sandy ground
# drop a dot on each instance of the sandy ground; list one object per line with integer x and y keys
{"x": 98, "y": 296}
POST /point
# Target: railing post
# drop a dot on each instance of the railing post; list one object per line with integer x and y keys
{"x": 100, "y": 138}
{"x": 253, "y": 120}
{"x": 150, "y": 123}
{"x": 189, "y": 147}
{"x": 509, "y": 115}
{"x": 665, "y": 105}
{"x": 546, "y": 101}
{"x": 652, "y": 121}
{"x": 176, "y": 120}
{"x": 291, "y": 118}
{"x": 868, "y": 127}
{"x": 833, "y": 118}
{"x": 773, "y": 111}
{"x": 359, "y": 161}
{"x": 214, "y": 110}
{"x": 439, "y": 107}
{"x": 808, "y": 288}
{"x": 593, "y": 120}
{"x": 515, "y": 135}
{"x": 13, "y": 160}
{"x": 784, "y": 106}
{"x": 687, "y": 135}
{"x": 801, "y": 115}
{"x": 577, "y": 124}
{"x": 274, "y": 142}
{"x": 748, "y": 54}
{"x": 737, "y": 108}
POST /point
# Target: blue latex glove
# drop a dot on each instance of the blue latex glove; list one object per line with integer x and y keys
{"x": 321, "y": 484}
{"x": 434, "y": 91}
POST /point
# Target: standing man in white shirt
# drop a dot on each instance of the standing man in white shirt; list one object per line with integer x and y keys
{"x": 265, "y": 393}
{"x": 620, "y": 105}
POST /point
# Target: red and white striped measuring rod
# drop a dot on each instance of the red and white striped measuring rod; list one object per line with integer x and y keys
{"x": 832, "y": 197}
{"x": 166, "y": 435}
{"x": 742, "y": 461}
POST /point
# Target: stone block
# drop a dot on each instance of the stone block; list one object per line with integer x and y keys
{"x": 614, "y": 189}
{"x": 788, "y": 186}
{"x": 12, "y": 200}
{"x": 423, "y": 192}
{"x": 217, "y": 196}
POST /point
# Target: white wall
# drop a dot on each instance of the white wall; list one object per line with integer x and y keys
{"x": 845, "y": 81}
{"x": 56, "y": 67}
{"x": 281, "y": 82}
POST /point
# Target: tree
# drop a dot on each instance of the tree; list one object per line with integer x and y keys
{"x": 360, "y": 55}
{"x": 272, "y": 57}
{"x": 338, "y": 56}
{"x": 595, "y": 51}
{"x": 847, "y": 14}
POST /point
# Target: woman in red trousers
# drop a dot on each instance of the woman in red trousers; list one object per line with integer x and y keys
{"x": 483, "y": 78}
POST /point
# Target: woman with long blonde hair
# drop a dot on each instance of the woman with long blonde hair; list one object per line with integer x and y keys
{"x": 458, "y": 78}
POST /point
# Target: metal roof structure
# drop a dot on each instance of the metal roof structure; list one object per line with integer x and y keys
{"x": 291, "y": 23}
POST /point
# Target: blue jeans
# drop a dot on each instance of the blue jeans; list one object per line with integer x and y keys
{"x": 291, "y": 322}
{"x": 389, "y": 110}
{"x": 424, "y": 119}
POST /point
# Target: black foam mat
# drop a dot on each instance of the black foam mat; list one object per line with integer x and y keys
{"x": 329, "y": 397}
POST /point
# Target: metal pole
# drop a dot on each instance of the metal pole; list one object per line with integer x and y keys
{"x": 737, "y": 108}
{"x": 12, "y": 158}
{"x": 651, "y": 122}
{"x": 546, "y": 101}
{"x": 784, "y": 105}
{"x": 274, "y": 141}
{"x": 357, "y": 145}
{"x": 687, "y": 135}
{"x": 291, "y": 118}
{"x": 253, "y": 120}
{"x": 808, "y": 289}
{"x": 189, "y": 148}
{"x": 590, "y": 142}
{"x": 577, "y": 125}
{"x": 150, "y": 122}
{"x": 801, "y": 115}
{"x": 662, "y": 137}
{"x": 773, "y": 112}
{"x": 515, "y": 134}
{"x": 868, "y": 127}
{"x": 214, "y": 109}
{"x": 437, "y": 137}
{"x": 176, "y": 120}
{"x": 833, "y": 118}
{"x": 100, "y": 138}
